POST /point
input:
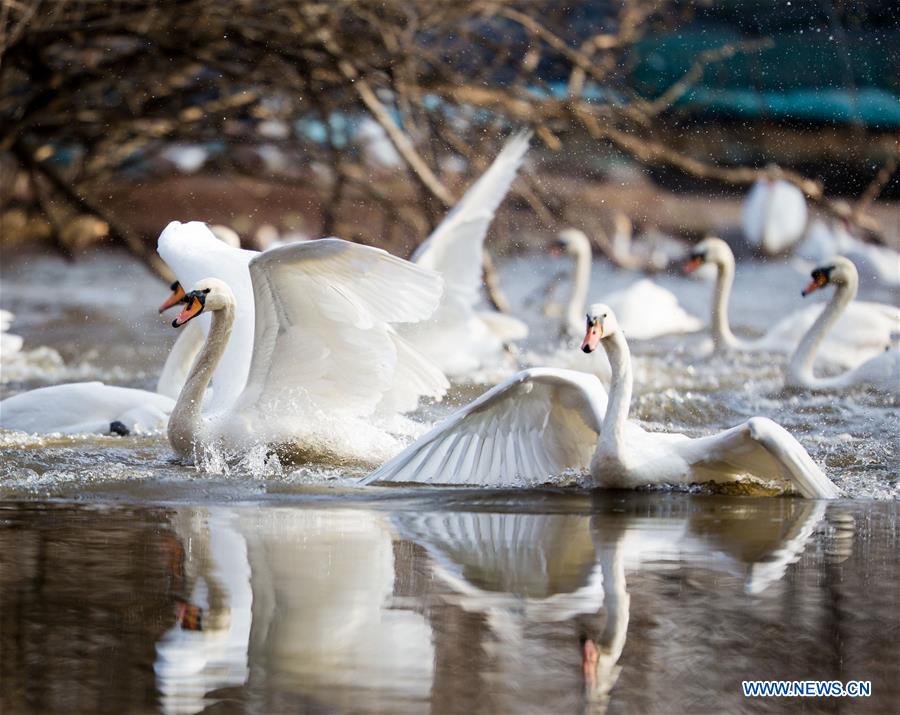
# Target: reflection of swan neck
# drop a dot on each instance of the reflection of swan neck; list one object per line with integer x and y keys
{"x": 184, "y": 423}
{"x": 612, "y": 436}
{"x": 800, "y": 369}
{"x": 722, "y": 336}
{"x": 581, "y": 278}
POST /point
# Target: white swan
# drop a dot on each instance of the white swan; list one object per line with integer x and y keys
{"x": 773, "y": 215}
{"x": 863, "y": 331}
{"x": 880, "y": 263}
{"x": 880, "y": 373}
{"x": 86, "y": 408}
{"x": 647, "y": 310}
{"x": 459, "y": 337}
{"x": 10, "y": 343}
{"x": 323, "y": 347}
{"x": 536, "y": 425}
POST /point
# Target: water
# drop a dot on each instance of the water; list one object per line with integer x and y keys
{"x": 387, "y": 601}
{"x": 131, "y": 582}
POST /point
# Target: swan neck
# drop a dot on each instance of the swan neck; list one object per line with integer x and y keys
{"x": 184, "y": 422}
{"x": 800, "y": 369}
{"x": 581, "y": 279}
{"x": 613, "y": 433}
{"x": 721, "y": 331}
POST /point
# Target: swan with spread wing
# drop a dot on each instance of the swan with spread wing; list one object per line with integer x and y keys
{"x": 323, "y": 347}
{"x": 541, "y": 422}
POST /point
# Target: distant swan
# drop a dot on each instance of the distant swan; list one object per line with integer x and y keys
{"x": 880, "y": 373}
{"x": 647, "y": 309}
{"x": 541, "y": 422}
{"x": 323, "y": 346}
{"x": 773, "y": 215}
{"x": 863, "y": 331}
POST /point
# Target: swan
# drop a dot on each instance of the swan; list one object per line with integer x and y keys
{"x": 863, "y": 331}
{"x": 773, "y": 215}
{"x": 323, "y": 348}
{"x": 880, "y": 373}
{"x": 541, "y": 422}
{"x": 823, "y": 241}
{"x": 78, "y": 407}
{"x": 460, "y": 338}
{"x": 86, "y": 408}
{"x": 183, "y": 352}
{"x": 10, "y": 343}
{"x": 647, "y": 310}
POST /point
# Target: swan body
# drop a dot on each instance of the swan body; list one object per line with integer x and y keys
{"x": 773, "y": 216}
{"x": 823, "y": 241}
{"x": 864, "y": 329}
{"x": 323, "y": 346}
{"x": 86, "y": 407}
{"x": 647, "y": 310}
{"x": 537, "y": 422}
{"x": 880, "y": 373}
{"x": 459, "y": 338}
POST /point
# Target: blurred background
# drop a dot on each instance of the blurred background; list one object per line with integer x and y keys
{"x": 366, "y": 119}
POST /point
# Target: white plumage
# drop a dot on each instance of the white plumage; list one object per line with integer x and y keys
{"x": 459, "y": 337}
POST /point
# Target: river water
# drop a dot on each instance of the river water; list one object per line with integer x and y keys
{"x": 130, "y": 582}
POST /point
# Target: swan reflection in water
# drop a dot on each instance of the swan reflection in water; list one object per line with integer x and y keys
{"x": 552, "y": 587}
{"x": 474, "y": 610}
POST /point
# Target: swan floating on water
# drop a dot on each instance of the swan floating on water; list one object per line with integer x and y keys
{"x": 86, "y": 408}
{"x": 647, "y": 310}
{"x": 324, "y": 347}
{"x": 880, "y": 263}
{"x": 880, "y": 373}
{"x": 541, "y": 422}
{"x": 862, "y": 332}
{"x": 773, "y": 215}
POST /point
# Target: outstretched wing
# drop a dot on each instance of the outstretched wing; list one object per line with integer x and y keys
{"x": 454, "y": 249}
{"x": 761, "y": 448}
{"x": 538, "y": 423}
{"x": 323, "y": 337}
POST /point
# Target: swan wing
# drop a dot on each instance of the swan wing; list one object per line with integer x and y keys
{"x": 761, "y": 448}
{"x": 454, "y": 249}
{"x": 193, "y": 253}
{"x": 646, "y": 310}
{"x": 538, "y": 423}
{"x": 457, "y": 337}
{"x": 323, "y": 336}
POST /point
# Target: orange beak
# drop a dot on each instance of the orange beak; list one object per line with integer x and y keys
{"x": 589, "y": 658}
{"x": 820, "y": 280}
{"x": 193, "y": 308}
{"x": 692, "y": 264}
{"x": 174, "y": 299}
{"x": 591, "y": 338}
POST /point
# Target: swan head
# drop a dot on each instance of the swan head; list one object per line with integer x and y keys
{"x": 210, "y": 294}
{"x": 838, "y": 271}
{"x": 572, "y": 241}
{"x": 601, "y": 323}
{"x": 709, "y": 250}
{"x": 175, "y": 298}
